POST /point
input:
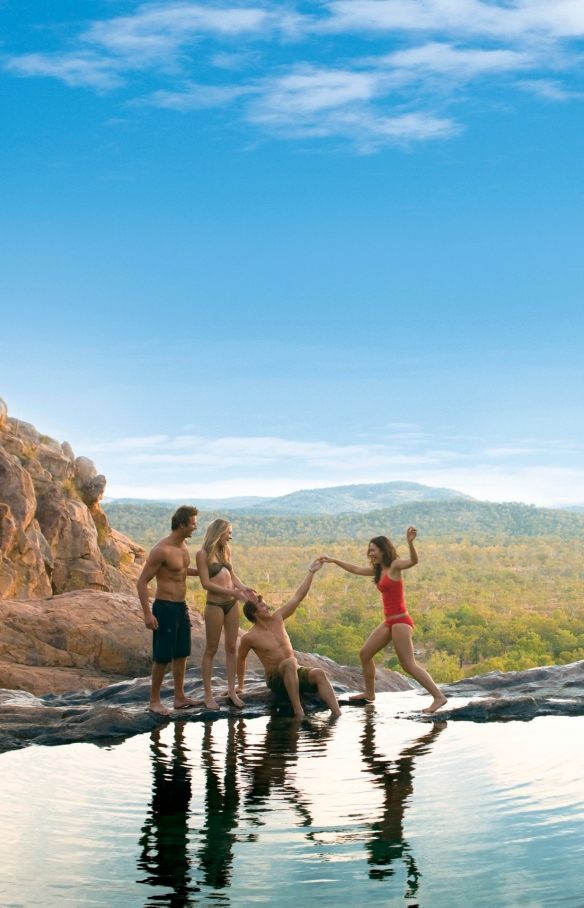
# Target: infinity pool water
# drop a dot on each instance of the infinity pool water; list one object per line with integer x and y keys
{"x": 369, "y": 810}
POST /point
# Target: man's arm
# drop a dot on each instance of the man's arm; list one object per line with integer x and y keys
{"x": 153, "y": 564}
{"x": 290, "y": 607}
{"x": 243, "y": 650}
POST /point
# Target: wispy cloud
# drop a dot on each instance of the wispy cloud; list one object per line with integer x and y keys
{"x": 302, "y": 72}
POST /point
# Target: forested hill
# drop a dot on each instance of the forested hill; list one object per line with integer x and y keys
{"x": 457, "y": 520}
{"x": 360, "y": 498}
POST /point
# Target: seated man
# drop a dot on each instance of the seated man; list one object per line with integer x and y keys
{"x": 270, "y": 642}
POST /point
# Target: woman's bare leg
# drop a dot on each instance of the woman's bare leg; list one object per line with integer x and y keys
{"x": 231, "y": 626}
{"x": 404, "y": 648}
{"x": 213, "y": 627}
{"x": 379, "y": 639}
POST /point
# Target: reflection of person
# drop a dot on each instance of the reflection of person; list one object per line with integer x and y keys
{"x": 221, "y": 807}
{"x": 270, "y": 642}
{"x": 271, "y": 764}
{"x": 386, "y": 569}
{"x": 164, "y": 841}
{"x": 224, "y": 589}
{"x": 395, "y": 778}
{"x": 169, "y": 617}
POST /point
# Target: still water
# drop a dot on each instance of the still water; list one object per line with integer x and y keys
{"x": 369, "y": 810}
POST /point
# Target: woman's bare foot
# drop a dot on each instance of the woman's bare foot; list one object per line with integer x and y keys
{"x": 157, "y": 706}
{"x": 362, "y": 698}
{"x": 300, "y": 715}
{"x": 235, "y": 699}
{"x": 436, "y": 704}
{"x": 210, "y": 702}
{"x": 186, "y": 702}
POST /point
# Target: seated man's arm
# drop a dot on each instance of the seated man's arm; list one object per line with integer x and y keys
{"x": 149, "y": 571}
{"x": 243, "y": 650}
{"x": 285, "y": 611}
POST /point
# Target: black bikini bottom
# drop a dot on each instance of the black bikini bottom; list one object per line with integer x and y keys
{"x": 226, "y": 606}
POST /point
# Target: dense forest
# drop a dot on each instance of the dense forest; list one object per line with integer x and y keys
{"x": 457, "y": 520}
{"x": 500, "y": 587}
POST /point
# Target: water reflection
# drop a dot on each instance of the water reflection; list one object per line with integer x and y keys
{"x": 242, "y": 787}
{"x": 387, "y": 843}
{"x": 221, "y": 806}
{"x": 165, "y": 836}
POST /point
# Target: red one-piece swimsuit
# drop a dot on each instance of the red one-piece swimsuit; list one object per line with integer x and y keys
{"x": 394, "y": 603}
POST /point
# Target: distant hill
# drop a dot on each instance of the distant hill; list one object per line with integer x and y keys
{"x": 205, "y": 504}
{"x": 359, "y": 498}
{"x": 455, "y": 519}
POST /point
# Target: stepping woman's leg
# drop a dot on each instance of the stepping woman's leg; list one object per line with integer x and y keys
{"x": 379, "y": 639}
{"x": 401, "y": 635}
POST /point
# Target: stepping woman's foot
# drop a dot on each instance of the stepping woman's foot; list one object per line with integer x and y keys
{"x": 362, "y": 698}
{"x": 157, "y": 707}
{"x": 235, "y": 699}
{"x": 210, "y": 702}
{"x": 436, "y": 704}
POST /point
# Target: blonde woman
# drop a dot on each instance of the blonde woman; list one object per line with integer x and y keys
{"x": 224, "y": 591}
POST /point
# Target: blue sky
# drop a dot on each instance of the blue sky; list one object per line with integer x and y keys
{"x": 249, "y": 248}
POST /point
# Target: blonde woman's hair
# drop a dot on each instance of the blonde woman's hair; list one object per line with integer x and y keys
{"x": 214, "y": 533}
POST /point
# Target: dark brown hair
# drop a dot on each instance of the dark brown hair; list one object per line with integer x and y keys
{"x": 182, "y": 516}
{"x": 249, "y": 610}
{"x": 388, "y": 554}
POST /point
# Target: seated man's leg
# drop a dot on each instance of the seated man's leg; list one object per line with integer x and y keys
{"x": 318, "y": 677}
{"x": 288, "y": 669}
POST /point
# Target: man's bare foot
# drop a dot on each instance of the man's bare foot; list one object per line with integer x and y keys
{"x": 186, "y": 703}
{"x": 210, "y": 702}
{"x": 235, "y": 699}
{"x": 300, "y": 715}
{"x": 335, "y": 713}
{"x": 436, "y": 704}
{"x": 362, "y": 698}
{"x": 157, "y": 706}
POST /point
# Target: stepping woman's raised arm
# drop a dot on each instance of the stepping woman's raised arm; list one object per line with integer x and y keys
{"x": 351, "y": 568}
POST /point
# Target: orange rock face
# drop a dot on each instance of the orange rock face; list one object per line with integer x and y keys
{"x": 78, "y": 640}
{"x": 54, "y": 535}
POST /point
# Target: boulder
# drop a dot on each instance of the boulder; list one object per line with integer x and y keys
{"x": 54, "y": 536}
{"x": 79, "y": 639}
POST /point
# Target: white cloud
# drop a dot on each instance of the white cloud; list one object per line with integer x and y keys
{"x": 75, "y": 69}
{"x": 327, "y": 89}
{"x": 189, "y": 466}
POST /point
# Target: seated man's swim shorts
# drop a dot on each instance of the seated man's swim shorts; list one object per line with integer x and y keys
{"x": 172, "y": 638}
{"x": 275, "y": 681}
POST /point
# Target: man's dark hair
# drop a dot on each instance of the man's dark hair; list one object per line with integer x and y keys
{"x": 249, "y": 610}
{"x": 182, "y": 516}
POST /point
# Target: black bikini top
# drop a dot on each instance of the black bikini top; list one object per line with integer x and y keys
{"x": 217, "y": 566}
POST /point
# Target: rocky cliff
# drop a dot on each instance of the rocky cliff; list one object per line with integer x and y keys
{"x": 54, "y": 535}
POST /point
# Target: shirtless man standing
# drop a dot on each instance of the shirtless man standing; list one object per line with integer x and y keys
{"x": 270, "y": 642}
{"x": 169, "y": 617}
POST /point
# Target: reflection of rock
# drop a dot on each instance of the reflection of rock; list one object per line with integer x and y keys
{"x": 54, "y": 536}
{"x": 554, "y": 690}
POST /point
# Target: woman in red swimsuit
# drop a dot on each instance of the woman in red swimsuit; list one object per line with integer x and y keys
{"x": 386, "y": 569}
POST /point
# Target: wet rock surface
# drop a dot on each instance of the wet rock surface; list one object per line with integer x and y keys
{"x": 121, "y": 710}
{"x": 555, "y": 690}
